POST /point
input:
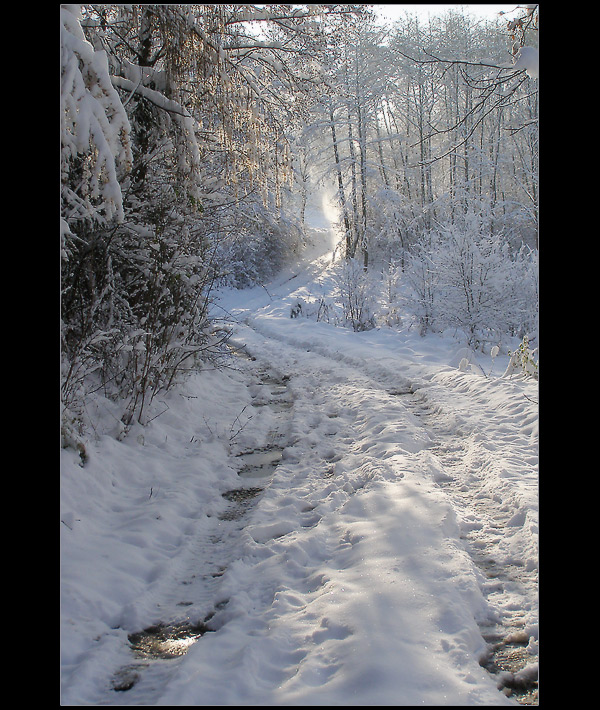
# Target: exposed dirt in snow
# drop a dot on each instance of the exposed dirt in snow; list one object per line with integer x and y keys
{"x": 173, "y": 636}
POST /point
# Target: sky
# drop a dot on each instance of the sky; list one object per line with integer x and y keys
{"x": 392, "y": 12}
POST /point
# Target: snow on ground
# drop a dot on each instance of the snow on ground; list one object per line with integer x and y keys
{"x": 357, "y": 575}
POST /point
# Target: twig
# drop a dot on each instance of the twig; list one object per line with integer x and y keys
{"x": 242, "y": 426}
{"x": 159, "y": 414}
{"x": 208, "y": 426}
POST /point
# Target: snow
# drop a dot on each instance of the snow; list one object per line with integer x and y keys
{"x": 92, "y": 117}
{"x": 528, "y": 58}
{"x": 348, "y": 581}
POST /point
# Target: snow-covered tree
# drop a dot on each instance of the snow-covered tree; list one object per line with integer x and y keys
{"x": 466, "y": 278}
{"x": 95, "y": 140}
{"x": 175, "y": 156}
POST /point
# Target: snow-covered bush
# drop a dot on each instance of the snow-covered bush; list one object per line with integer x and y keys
{"x": 473, "y": 274}
{"x": 137, "y": 314}
{"x": 252, "y": 244}
{"x": 356, "y": 293}
{"x": 464, "y": 278}
{"x": 523, "y": 360}
{"x": 394, "y": 225}
{"x": 95, "y": 129}
{"x": 424, "y": 279}
{"x": 388, "y": 311}
{"x": 320, "y": 309}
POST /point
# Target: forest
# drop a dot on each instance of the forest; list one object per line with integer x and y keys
{"x": 191, "y": 136}
{"x": 299, "y": 355}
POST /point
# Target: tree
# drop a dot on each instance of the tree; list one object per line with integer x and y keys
{"x": 493, "y": 85}
{"x": 95, "y": 130}
{"x": 172, "y": 116}
{"x": 356, "y": 81}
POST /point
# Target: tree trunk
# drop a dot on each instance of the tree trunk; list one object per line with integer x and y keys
{"x": 341, "y": 193}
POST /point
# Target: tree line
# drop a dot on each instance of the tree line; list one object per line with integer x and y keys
{"x": 189, "y": 135}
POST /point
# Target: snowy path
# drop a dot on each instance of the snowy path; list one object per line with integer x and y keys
{"x": 399, "y": 525}
{"x": 476, "y": 438}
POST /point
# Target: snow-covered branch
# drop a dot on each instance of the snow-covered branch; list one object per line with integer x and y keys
{"x": 94, "y": 126}
{"x": 155, "y": 97}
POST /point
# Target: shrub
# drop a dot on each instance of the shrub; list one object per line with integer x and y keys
{"x": 522, "y": 360}
{"x": 355, "y": 288}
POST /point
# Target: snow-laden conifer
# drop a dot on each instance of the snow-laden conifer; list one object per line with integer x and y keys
{"x": 94, "y": 128}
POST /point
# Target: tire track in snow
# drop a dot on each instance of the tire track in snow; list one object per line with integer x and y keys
{"x": 190, "y": 602}
{"x": 487, "y": 519}
{"x": 336, "y": 393}
{"x": 510, "y": 586}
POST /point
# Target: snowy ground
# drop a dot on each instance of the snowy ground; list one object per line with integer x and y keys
{"x": 399, "y": 527}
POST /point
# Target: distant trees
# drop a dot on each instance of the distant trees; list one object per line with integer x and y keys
{"x": 481, "y": 132}
{"x": 434, "y": 151}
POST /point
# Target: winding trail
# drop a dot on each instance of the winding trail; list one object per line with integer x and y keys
{"x": 487, "y": 468}
{"x": 383, "y": 470}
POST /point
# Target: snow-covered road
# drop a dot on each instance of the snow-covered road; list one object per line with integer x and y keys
{"x": 398, "y": 528}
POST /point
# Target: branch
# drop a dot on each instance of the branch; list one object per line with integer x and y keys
{"x": 516, "y": 129}
{"x": 155, "y": 97}
{"x": 439, "y": 60}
